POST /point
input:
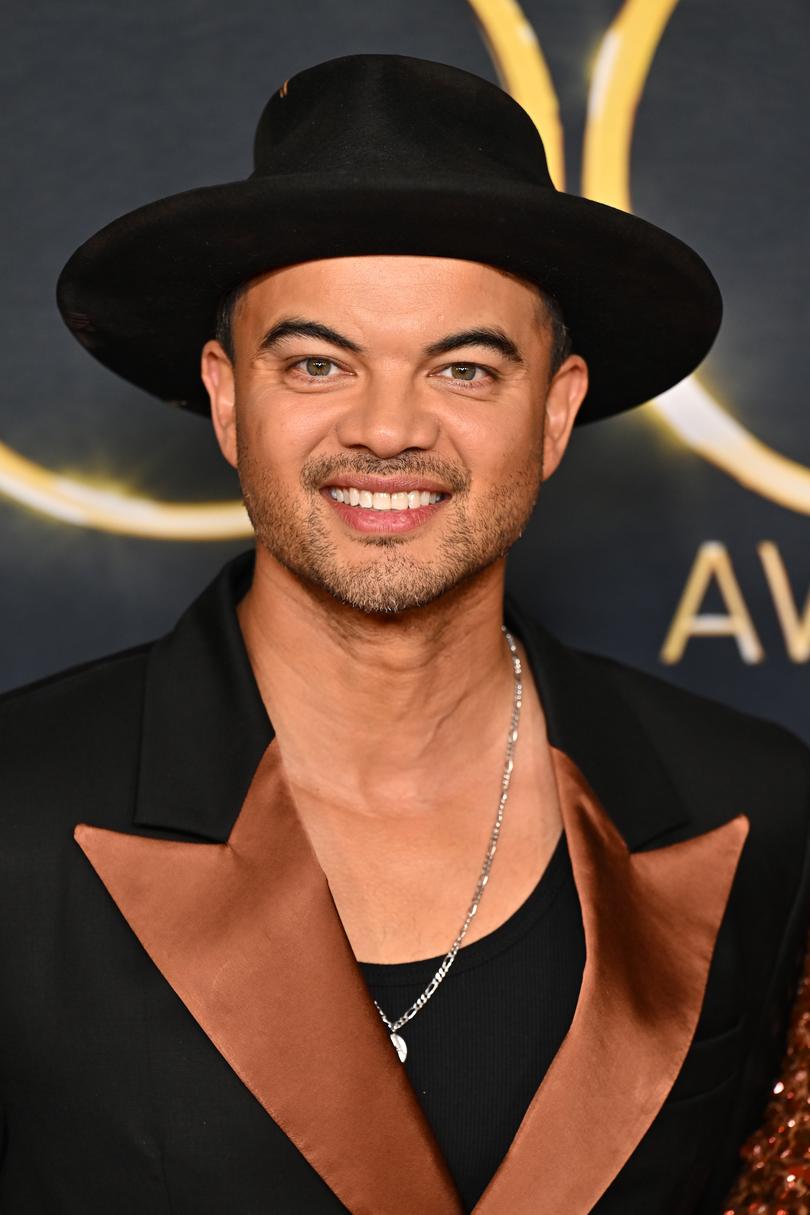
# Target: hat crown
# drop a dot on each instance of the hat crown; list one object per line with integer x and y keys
{"x": 396, "y": 118}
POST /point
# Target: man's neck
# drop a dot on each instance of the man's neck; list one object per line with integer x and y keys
{"x": 403, "y": 707}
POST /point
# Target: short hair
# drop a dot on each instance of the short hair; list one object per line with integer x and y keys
{"x": 226, "y": 309}
{"x": 549, "y": 311}
{"x": 561, "y": 342}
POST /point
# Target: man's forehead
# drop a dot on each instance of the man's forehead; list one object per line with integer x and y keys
{"x": 396, "y": 269}
{"x": 408, "y": 286}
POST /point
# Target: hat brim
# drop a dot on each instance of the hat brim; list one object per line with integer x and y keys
{"x": 141, "y": 295}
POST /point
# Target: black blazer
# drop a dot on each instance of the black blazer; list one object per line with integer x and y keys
{"x": 159, "y": 1046}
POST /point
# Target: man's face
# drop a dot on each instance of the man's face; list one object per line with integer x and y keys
{"x": 418, "y": 396}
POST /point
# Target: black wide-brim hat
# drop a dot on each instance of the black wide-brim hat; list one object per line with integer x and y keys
{"x": 385, "y": 154}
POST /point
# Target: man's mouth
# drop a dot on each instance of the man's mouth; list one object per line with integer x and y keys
{"x": 410, "y": 499}
{"x": 389, "y": 505}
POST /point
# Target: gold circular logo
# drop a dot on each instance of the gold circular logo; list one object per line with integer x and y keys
{"x": 619, "y": 74}
{"x": 620, "y": 71}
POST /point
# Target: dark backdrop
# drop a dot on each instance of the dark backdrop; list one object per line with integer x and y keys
{"x": 108, "y": 106}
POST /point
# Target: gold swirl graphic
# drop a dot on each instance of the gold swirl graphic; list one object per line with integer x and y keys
{"x": 112, "y": 509}
{"x": 620, "y": 73}
{"x": 523, "y": 72}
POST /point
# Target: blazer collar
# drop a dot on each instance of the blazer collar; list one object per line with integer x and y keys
{"x": 205, "y": 727}
{"x": 588, "y": 720}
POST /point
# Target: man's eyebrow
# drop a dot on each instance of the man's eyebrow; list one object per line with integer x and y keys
{"x": 294, "y": 326}
{"x": 490, "y": 336}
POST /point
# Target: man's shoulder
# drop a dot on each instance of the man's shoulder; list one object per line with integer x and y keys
{"x": 74, "y": 712}
{"x": 694, "y": 717}
{"x": 69, "y": 744}
{"x": 689, "y": 730}
{"x": 713, "y": 752}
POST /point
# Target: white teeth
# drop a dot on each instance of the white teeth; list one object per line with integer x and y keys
{"x": 404, "y": 500}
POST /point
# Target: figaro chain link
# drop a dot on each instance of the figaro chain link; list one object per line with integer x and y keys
{"x": 447, "y": 962}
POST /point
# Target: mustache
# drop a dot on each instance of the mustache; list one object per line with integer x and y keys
{"x": 325, "y": 468}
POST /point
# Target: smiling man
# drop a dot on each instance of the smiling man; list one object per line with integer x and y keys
{"x": 445, "y": 458}
{"x": 358, "y": 890}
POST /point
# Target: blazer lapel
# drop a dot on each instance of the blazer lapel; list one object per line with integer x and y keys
{"x": 651, "y": 920}
{"x": 248, "y": 935}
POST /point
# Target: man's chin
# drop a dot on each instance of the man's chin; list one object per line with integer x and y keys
{"x": 374, "y": 591}
{"x": 378, "y": 596}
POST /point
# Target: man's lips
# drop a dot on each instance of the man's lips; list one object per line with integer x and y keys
{"x": 384, "y": 522}
{"x": 398, "y": 484}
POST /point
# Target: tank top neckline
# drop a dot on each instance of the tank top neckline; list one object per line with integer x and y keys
{"x": 525, "y": 916}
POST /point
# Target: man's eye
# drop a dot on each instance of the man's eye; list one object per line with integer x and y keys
{"x": 466, "y": 372}
{"x": 315, "y": 368}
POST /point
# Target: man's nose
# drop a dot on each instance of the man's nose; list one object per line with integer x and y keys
{"x": 390, "y": 415}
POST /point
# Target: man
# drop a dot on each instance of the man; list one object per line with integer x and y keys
{"x": 358, "y": 891}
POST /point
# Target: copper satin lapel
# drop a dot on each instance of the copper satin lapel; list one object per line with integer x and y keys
{"x": 241, "y": 929}
{"x": 248, "y": 935}
{"x": 641, "y": 995}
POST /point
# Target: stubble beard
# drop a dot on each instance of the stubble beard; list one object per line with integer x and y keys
{"x": 389, "y": 578}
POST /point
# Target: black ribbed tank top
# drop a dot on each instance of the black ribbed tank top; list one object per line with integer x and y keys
{"x": 481, "y": 1045}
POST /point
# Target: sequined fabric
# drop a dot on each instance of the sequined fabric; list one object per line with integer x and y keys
{"x": 775, "y": 1179}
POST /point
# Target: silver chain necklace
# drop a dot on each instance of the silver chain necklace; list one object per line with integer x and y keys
{"x": 393, "y": 1026}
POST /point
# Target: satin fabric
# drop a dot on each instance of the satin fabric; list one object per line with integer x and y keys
{"x": 238, "y": 929}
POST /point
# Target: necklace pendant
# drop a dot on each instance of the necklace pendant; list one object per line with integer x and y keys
{"x": 399, "y": 1047}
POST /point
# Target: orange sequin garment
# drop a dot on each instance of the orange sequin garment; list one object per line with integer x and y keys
{"x": 775, "y": 1179}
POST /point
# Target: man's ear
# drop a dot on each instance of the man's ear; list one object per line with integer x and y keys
{"x": 566, "y": 392}
{"x": 218, "y": 376}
